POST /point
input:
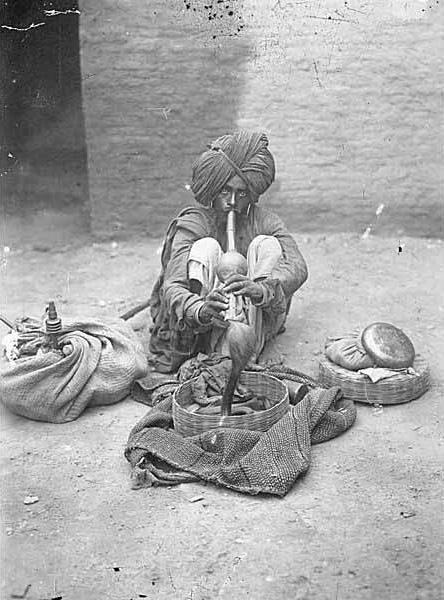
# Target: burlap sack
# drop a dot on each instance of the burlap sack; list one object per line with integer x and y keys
{"x": 106, "y": 359}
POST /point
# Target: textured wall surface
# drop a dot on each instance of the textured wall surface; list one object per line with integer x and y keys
{"x": 43, "y": 162}
{"x": 157, "y": 89}
{"x": 349, "y": 93}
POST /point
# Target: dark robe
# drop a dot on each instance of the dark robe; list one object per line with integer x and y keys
{"x": 175, "y": 333}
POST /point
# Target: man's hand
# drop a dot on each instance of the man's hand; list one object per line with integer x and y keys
{"x": 240, "y": 285}
{"x": 215, "y": 303}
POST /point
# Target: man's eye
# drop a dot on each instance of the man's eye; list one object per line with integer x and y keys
{"x": 242, "y": 194}
{"x": 225, "y": 192}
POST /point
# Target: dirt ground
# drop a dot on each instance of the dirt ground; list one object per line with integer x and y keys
{"x": 365, "y": 522}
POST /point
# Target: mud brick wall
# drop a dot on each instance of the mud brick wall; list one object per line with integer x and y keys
{"x": 157, "y": 87}
{"x": 347, "y": 92}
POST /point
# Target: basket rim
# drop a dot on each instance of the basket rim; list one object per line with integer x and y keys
{"x": 263, "y": 413}
{"x": 401, "y": 388}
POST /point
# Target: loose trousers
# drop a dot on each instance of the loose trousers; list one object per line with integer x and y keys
{"x": 263, "y": 254}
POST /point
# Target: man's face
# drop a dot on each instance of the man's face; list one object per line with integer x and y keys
{"x": 235, "y": 194}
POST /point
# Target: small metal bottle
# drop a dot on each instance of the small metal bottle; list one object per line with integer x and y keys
{"x": 53, "y": 326}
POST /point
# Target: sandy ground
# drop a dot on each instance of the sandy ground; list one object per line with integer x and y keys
{"x": 365, "y": 522}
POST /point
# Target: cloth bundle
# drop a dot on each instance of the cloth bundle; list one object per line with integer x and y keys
{"x": 347, "y": 352}
{"x": 103, "y": 361}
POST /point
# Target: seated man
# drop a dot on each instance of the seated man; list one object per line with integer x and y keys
{"x": 188, "y": 301}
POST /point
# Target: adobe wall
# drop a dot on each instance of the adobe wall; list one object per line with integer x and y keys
{"x": 156, "y": 89}
{"x": 348, "y": 93}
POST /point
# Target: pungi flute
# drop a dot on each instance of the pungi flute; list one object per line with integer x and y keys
{"x": 240, "y": 337}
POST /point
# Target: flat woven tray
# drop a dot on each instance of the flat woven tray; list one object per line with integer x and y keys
{"x": 395, "y": 390}
{"x": 187, "y": 424}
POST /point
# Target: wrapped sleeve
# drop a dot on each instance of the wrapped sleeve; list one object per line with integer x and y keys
{"x": 181, "y": 303}
{"x": 291, "y": 271}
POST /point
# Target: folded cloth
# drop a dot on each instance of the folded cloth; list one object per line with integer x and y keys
{"x": 247, "y": 461}
{"x": 378, "y": 373}
{"x": 210, "y": 373}
{"x": 212, "y": 368}
{"x": 153, "y": 388}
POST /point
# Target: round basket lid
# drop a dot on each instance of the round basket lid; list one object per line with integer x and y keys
{"x": 388, "y": 346}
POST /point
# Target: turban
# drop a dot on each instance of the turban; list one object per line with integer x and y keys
{"x": 242, "y": 153}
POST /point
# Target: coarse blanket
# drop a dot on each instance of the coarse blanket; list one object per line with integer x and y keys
{"x": 246, "y": 461}
{"x": 104, "y": 360}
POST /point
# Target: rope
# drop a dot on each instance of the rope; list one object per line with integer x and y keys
{"x": 284, "y": 372}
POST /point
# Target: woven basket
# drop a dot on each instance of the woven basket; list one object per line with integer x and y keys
{"x": 395, "y": 390}
{"x": 187, "y": 423}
